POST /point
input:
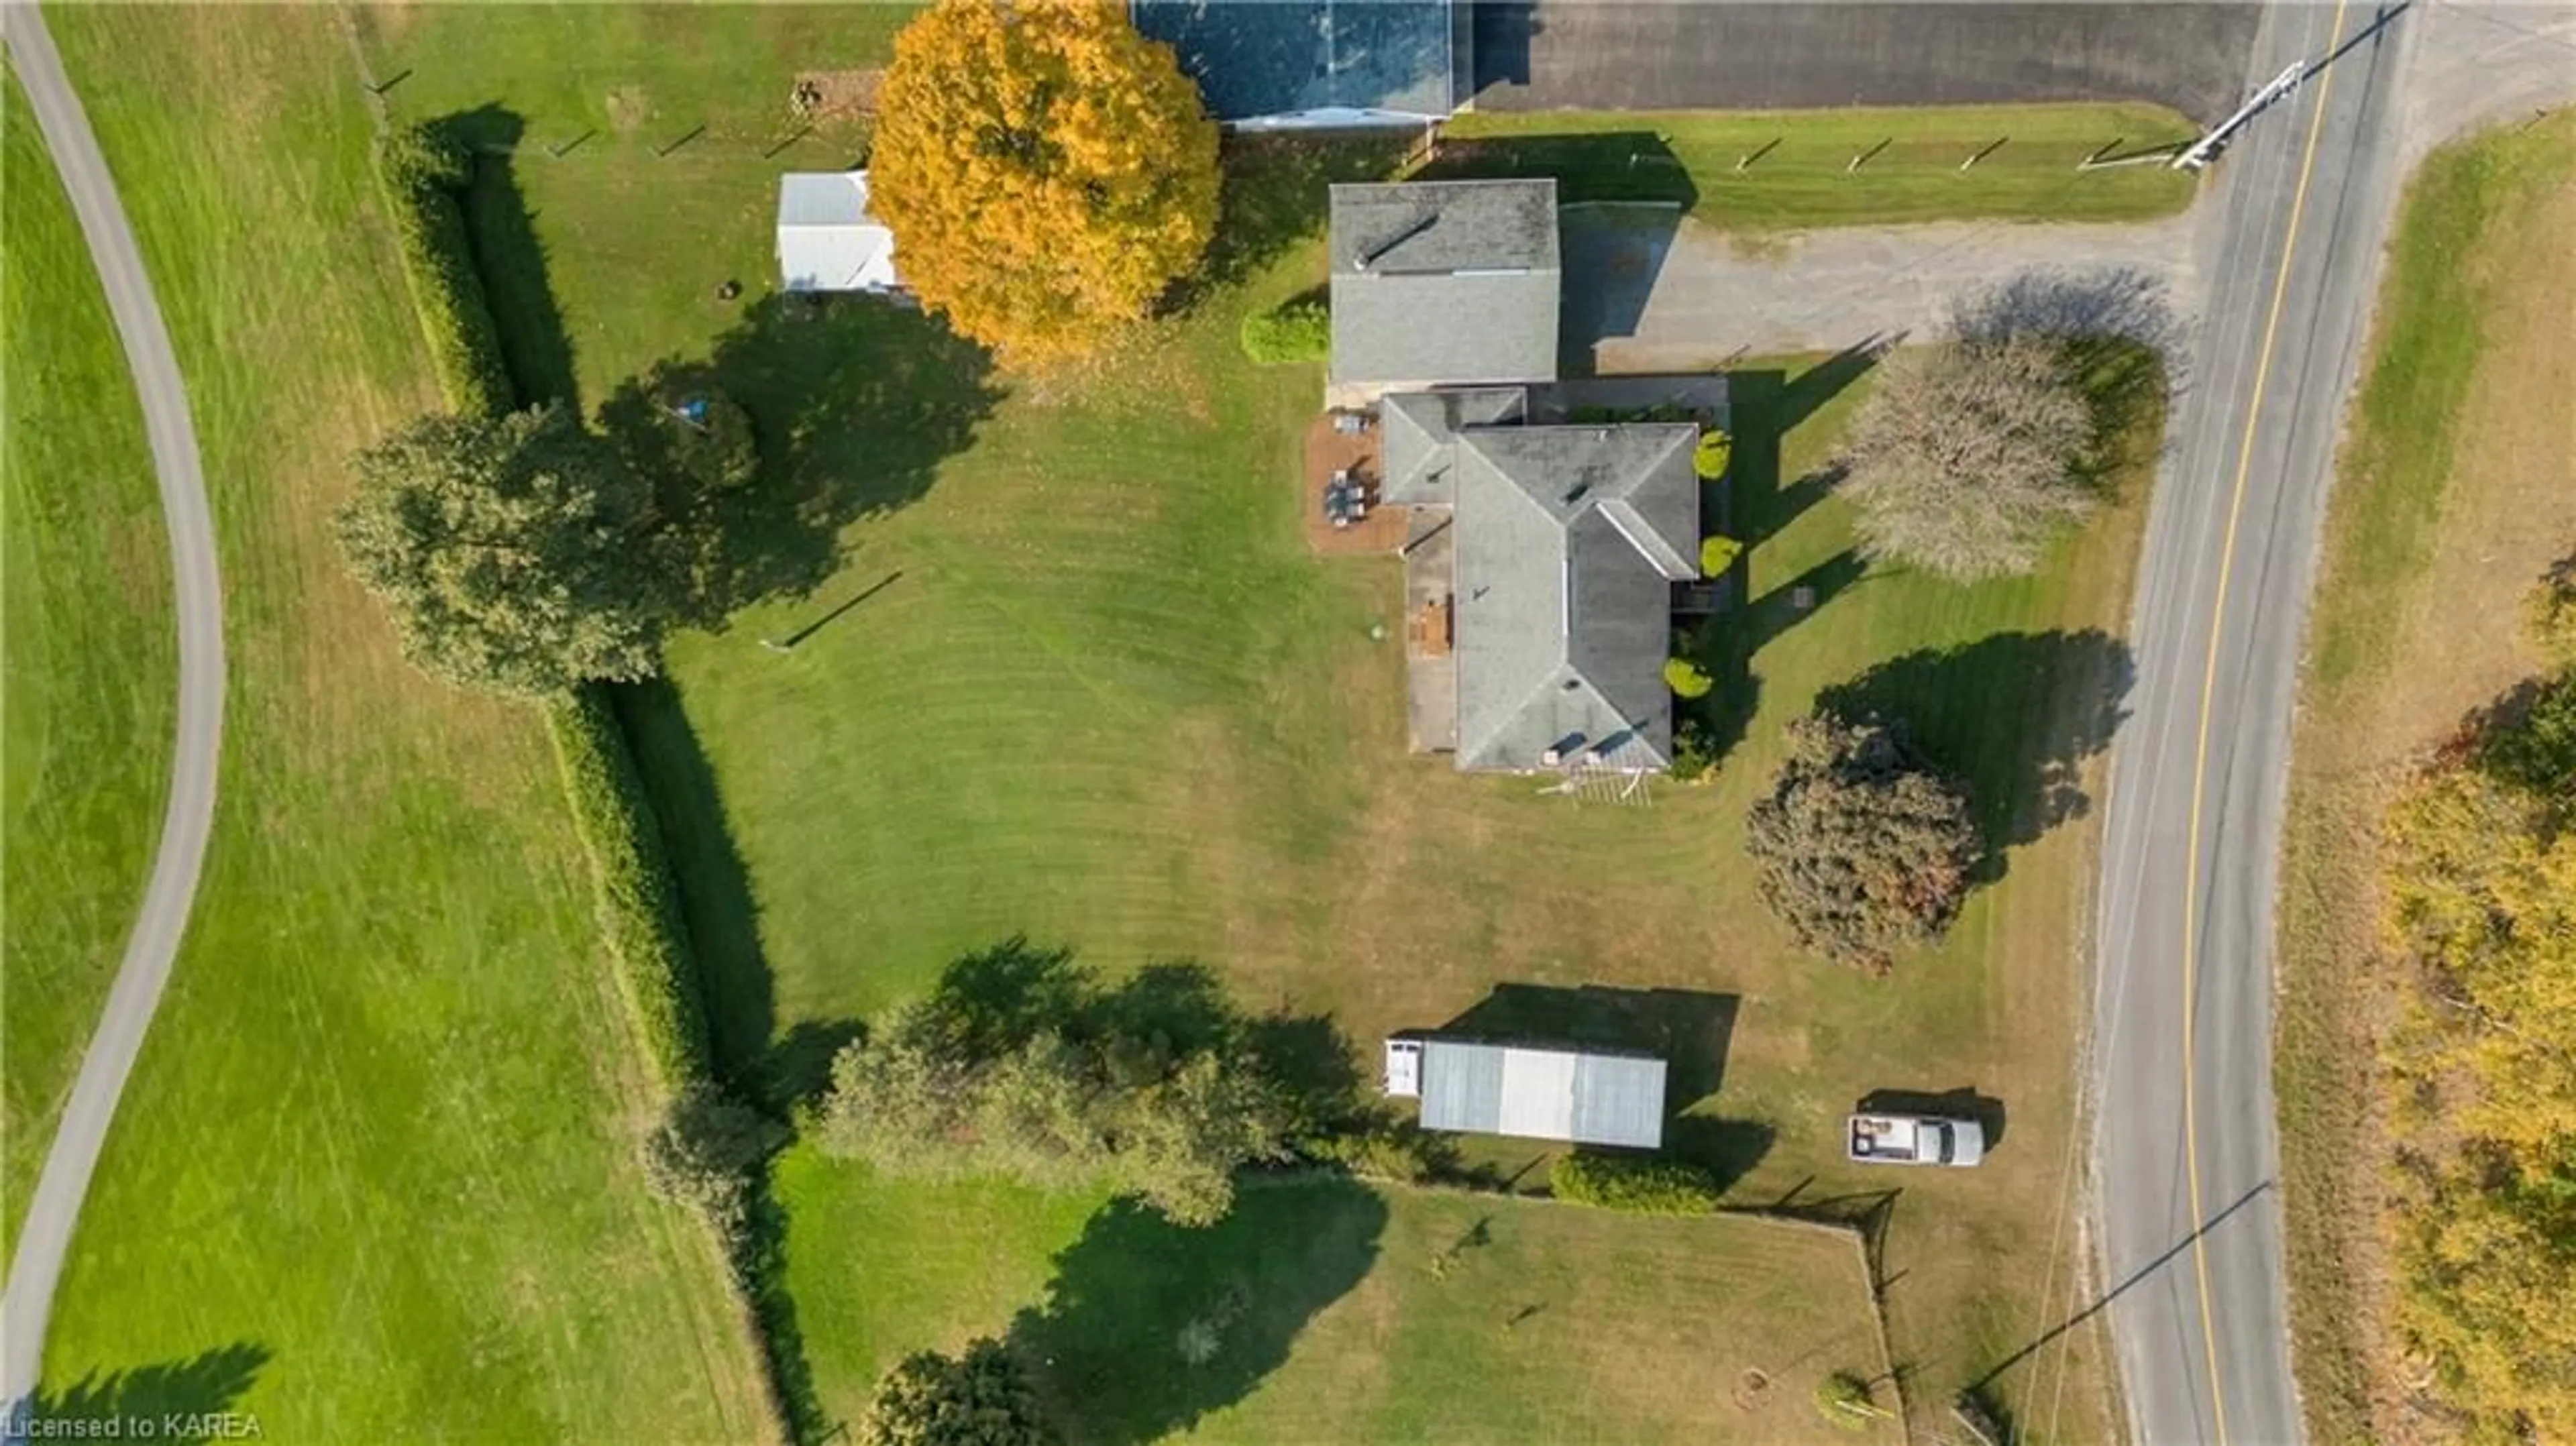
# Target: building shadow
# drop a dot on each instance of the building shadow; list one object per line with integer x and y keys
{"x": 1503, "y": 32}
{"x": 1727, "y": 1149}
{"x": 2015, "y": 716}
{"x": 1147, "y": 1327}
{"x": 1687, "y": 1029}
{"x": 107, "y": 1405}
{"x": 1623, "y": 195}
{"x": 1963, "y": 1103}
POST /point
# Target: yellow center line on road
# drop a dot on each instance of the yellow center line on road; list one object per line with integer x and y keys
{"x": 2200, "y": 750}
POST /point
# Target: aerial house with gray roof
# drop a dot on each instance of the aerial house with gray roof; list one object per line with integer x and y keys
{"x": 1553, "y": 548}
{"x": 1535, "y": 1093}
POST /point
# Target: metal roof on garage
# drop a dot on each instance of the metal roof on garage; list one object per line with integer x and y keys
{"x": 1542, "y": 1094}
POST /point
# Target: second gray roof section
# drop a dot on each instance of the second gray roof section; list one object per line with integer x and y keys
{"x": 1569, "y": 541}
{"x": 1445, "y": 282}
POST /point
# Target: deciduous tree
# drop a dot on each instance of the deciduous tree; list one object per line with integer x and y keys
{"x": 516, "y": 553}
{"x": 937, "y": 1090}
{"x": 1860, "y": 847}
{"x": 2481, "y": 887}
{"x": 704, "y": 1150}
{"x": 1047, "y": 171}
{"x": 1966, "y": 457}
{"x": 981, "y": 1398}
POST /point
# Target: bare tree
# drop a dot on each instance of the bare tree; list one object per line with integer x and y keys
{"x": 1966, "y": 458}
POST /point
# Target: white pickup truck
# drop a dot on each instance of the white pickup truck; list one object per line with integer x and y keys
{"x": 1914, "y": 1140}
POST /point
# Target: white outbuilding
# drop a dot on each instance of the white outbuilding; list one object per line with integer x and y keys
{"x": 827, "y": 240}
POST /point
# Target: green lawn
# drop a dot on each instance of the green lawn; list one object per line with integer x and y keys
{"x": 1334, "y": 1317}
{"x": 373, "y": 1179}
{"x": 2452, "y": 494}
{"x": 1089, "y": 686}
{"x": 91, "y": 658}
{"x": 1800, "y": 176}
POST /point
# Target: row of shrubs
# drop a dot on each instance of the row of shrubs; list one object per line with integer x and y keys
{"x": 1635, "y": 1184}
{"x": 424, "y": 173}
{"x": 638, "y": 903}
{"x": 1299, "y": 330}
{"x": 707, "y": 1149}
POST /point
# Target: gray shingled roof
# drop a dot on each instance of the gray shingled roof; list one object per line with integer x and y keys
{"x": 1545, "y": 1094}
{"x": 1418, "y": 434}
{"x": 1445, "y": 282}
{"x": 1257, "y": 59}
{"x": 1569, "y": 539}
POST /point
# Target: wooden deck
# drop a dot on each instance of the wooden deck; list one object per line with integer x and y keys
{"x": 1327, "y": 452}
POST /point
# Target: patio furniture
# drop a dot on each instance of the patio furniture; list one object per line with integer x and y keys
{"x": 1350, "y": 424}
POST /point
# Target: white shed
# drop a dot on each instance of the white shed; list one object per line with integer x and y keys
{"x": 827, "y": 240}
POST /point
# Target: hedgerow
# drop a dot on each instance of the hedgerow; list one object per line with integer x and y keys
{"x": 1636, "y": 1184}
{"x": 422, "y": 173}
{"x": 638, "y": 905}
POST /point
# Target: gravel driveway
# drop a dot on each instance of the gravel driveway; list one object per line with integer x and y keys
{"x": 1642, "y": 294}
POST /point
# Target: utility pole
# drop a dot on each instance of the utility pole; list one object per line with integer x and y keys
{"x": 2205, "y": 150}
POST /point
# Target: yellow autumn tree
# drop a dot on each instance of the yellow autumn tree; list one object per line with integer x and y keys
{"x": 1047, "y": 171}
{"x": 2481, "y": 882}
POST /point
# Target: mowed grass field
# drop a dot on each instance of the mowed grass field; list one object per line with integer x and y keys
{"x": 2455, "y": 490}
{"x": 373, "y": 1179}
{"x": 1079, "y": 679}
{"x": 1797, "y": 170}
{"x": 90, "y": 653}
{"x": 1341, "y": 1312}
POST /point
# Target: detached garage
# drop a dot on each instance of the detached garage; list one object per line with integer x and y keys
{"x": 1537, "y": 1094}
{"x": 827, "y": 240}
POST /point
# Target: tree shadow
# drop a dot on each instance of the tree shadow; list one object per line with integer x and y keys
{"x": 1802, "y": 395}
{"x": 2016, "y": 716}
{"x": 1148, "y": 1326}
{"x": 1276, "y": 192}
{"x": 110, "y": 1403}
{"x": 762, "y": 1267}
{"x": 536, "y": 346}
{"x": 798, "y": 1067}
{"x": 1963, "y": 1103}
{"x": 854, "y": 403}
{"x": 716, "y": 900}
{"x": 1687, "y": 1029}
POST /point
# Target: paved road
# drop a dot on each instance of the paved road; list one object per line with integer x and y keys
{"x": 55, "y": 1209}
{"x": 2190, "y": 1225}
{"x": 1612, "y": 55}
